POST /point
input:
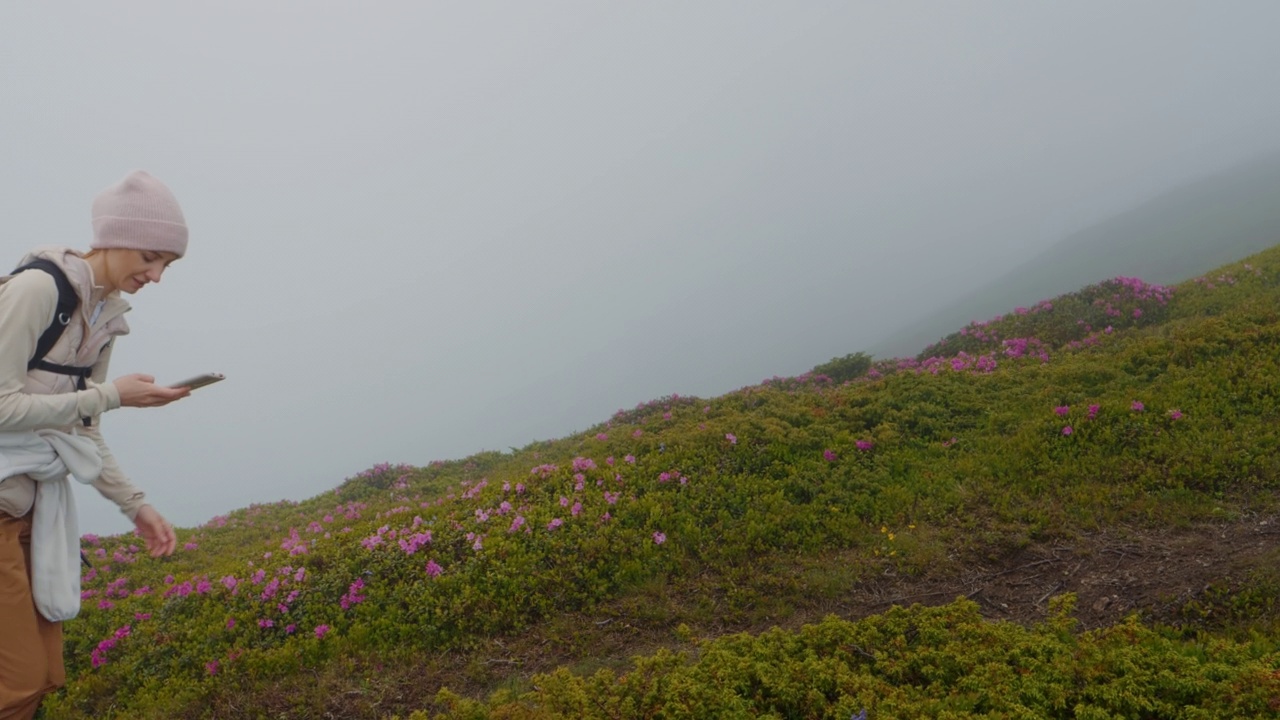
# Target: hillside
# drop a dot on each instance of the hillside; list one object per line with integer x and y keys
{"x": 1173, "y": 237}
{"x": 1063, "y": 512}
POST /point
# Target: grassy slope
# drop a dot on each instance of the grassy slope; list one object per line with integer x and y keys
{"x": 1161, "y": 241}
{"x": 770, "y": 502}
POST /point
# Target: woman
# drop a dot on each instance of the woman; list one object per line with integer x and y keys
{"x": 138, "y": 230}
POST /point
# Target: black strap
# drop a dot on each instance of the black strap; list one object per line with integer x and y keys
{"x": 68, "y": 302}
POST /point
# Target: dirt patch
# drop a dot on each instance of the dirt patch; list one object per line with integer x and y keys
{"x": 1113, "y": 574}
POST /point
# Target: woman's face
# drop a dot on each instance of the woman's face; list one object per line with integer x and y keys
{"x": 130, "y": 270}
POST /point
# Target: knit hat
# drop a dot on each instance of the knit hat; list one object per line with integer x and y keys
{"x": 139, "y": 213}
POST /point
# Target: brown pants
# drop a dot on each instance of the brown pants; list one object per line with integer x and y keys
{"x": 30, "y": 646}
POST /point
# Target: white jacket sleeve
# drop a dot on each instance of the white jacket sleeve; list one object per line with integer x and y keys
{"x": 27, "y": 304}
{"x": 112, "y": 483}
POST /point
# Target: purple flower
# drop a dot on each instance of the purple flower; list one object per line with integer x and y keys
{"x": 1175, "y": 414}
{"x": 733, "y": 439}
{"x": 1067, "y": 430}
{"x": 1137, "y": 406}
{"x": 659, "y": 538}
{"x": 864, "y": 445}
{"x": 321, "y": 631}
{"x": 433, "y": 569}
{"x": 828, "y": 455}
{"x": 1062, "y": 410}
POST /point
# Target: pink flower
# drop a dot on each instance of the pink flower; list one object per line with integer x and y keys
{"x": 1137, "y": 406}
{"x": 555, "y": 523}
{"x": 1093, "y": 411}
{"x": 1062, "y": 410}
{"x": 353, "y": 596}
{"x": 1067, "y": 430}
{"x": 828, "y": 455}
{"x": 211, "y": 667}
{"x": 659, "y": 538}
{"x": 733, "y": 439}
{"x": 864, "y": 445}
{"x": 321, "y": 631}
{"x": 1175, "y": 414}
{"x": 602, "y": 436}
{"x": 190, "y": 546}
{"x": 630, "y": 459}
{"x": 637, "y": 433}
{"x": 433, "y": 569}
{"x": 576, "y": 509}
{"x": 231, "y": 623}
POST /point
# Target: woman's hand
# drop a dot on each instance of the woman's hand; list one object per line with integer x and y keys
{"x": 142, "y": 391}
{"x": 156, "y": 531}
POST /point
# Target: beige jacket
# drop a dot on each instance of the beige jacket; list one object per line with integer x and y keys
{"x": 41, "y": 399}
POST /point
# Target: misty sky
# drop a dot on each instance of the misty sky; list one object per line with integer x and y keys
{"x": 421, "y": 230}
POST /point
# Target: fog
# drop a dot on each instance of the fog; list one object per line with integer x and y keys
{"x": 422, "y": 230}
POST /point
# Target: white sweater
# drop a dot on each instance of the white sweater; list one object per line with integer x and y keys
{"x": 36, "y": 399}
{"x": 47, "y": 456}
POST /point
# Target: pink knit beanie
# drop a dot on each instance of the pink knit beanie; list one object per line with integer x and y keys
{"x": 139, "y": 213}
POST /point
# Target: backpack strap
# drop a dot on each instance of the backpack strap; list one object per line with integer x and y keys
{"x": 68, "y": 302}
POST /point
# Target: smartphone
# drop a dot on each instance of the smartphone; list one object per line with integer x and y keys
{"x": 199, "y": 381}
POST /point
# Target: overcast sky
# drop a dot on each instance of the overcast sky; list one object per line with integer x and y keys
{"x": 420, "y": 230}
